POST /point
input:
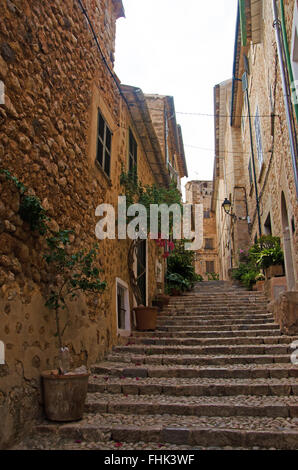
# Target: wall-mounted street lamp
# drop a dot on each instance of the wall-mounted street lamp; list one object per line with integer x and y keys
{"x": 227, "y": 207}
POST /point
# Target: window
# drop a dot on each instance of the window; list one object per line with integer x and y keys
{"x": 209, "y": 266}
{"x": 267, "y": 225}
{"x": 121, "y": 307}
{"x": 250, "y": 172}
{"x": 258, "y": 138}
{"x": 207, "y": 214}
{"x": 133, "y": 151}
{"x": 104, "y": 139}
{"x": 208, "y": 243}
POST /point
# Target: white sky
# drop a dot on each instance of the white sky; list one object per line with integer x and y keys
{"x": 180, "y": 48}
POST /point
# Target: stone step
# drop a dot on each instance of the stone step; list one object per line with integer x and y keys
{"x": 192, "y": 386}
{"x": 230, "y": 316}
{"x": 219, "y": 300}
{"x": 53, "y": 441}
{"x": 211, "y": 322}
{"x": 234, "y": 350}
{"x": 216, "y": 295}
{"x": 245, "y": 432}
{"x": 200, "y": 360}
{"x": 272, "y": 340}
{"x": 211, "y": 328}
{"x": 209, "y": 334}
{"x": 238, "y": 371}
{"x": 285, "y": 407}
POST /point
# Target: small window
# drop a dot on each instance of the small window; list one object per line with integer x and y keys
{"x": 267, "y": 226}
{"x": 208, "y": 243}
{"x": 250, "y": 172}
{"x": 207, "y": 214}
{"x": 104, "y": 140}
{"x": 121, "y": 307}
{"x": 209, "y": 267}
{"x": 133, "y": 152}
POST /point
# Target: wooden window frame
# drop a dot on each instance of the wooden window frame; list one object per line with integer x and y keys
{"x": 132, "y": 152}
{"x": 104, "y": 141}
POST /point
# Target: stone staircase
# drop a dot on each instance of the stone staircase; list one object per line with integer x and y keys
{"x": 216, "y": 374}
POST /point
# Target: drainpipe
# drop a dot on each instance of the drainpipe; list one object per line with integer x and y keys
{"x": 288, "y": 57}
{"x": 288, "y": 108}
{"x": 253, "y": 163}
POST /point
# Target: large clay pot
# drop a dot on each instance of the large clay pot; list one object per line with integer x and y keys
{"x": 64, "y": 395}
{"x": 275, "y": 270}
{"x": 163, "y": 298}
{"x": 146, "y": 318}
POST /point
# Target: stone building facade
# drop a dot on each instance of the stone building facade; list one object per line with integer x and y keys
{"x": 251, "y": 132}
{"x": 61, "y": 93}
{"x": 200, "y": 192}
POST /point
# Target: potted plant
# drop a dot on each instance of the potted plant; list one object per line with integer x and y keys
{"x": 246, "y": 273}
{"x": 268, "y": 255}
{"x": 65, "y": 390}
{"x": 260, "y": 280}
{"x": 176, "y": 283}
{"x": 181, "y": 275}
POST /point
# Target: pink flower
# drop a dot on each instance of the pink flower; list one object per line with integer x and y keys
{"x": 166, "y": 254}
{"x": 171, "y": 246}
{"x": 118, "y": 444}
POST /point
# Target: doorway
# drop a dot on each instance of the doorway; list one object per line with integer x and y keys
{"x": 288, "y": 254}
{"x": 142, "y": 269}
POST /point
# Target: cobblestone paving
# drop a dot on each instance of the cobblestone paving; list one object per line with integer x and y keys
{"x": 216, "y": 374}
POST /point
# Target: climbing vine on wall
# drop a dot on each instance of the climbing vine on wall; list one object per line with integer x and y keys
{"x": 30, "y": 210}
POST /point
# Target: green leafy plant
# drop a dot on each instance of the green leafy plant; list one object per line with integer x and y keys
{"x": 31, "y": 210}
{"x": 72, "y": 273}
{"x": 181, "y": 262}
{"x": 213, "y": 276}
{"x": 246, "y": 274}
{"x": 176, "y": 282}
{"x": 267, "y": 252}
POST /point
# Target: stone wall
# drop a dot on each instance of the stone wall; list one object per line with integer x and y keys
{"x": 55, "y": 80}
{"x": 200, "y": 192}
{"x": 275, "y": 178}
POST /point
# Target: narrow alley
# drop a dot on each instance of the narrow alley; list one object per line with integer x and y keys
{"x": 216, "y": 374}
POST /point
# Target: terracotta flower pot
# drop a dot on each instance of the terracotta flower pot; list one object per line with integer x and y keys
{"x": 64, "y": 395}
{"x": 163, "y": 298}
{"x": 176, "y": 292}
{"x": 274, "y": 271}
{"x": 146, "y": 318}
{"x": 260, "y": 286}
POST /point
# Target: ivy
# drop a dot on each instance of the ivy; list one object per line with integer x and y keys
{"x": 30, "y": 210}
